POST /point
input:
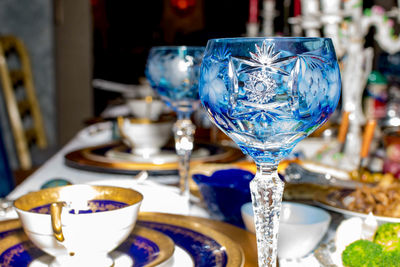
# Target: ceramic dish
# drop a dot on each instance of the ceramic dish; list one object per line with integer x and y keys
{"x": 166, "y": 155}
{"x": 144, "y": 247}
{"x": 301, "y": 228}
{"x": 331, "y": 200}
{"x": 9, "y": 227}
{"x": 96, "y": 159}
{"x": 206, "y": 246}
{"x": 240, "y": 248}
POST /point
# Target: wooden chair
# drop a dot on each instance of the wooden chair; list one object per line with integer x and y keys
{"x": 21, "y": 102}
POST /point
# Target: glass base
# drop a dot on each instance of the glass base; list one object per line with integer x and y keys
{"x": 184, "y": 131}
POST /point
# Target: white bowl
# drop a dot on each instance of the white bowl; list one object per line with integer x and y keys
{"x": 145, "y": 137}
{"x": 83, "y": 239}
{"x": 301, "y": 228}
{"x": 146, "y": 108}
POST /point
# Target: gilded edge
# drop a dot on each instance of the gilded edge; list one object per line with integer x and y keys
{"x": 50, "y": 195}
{"x": 12, "y": 240}
{"x": 164, "y": 243}
{"x": 85, "y": 157}
{"x": 10, "y": 225}
{"x": 233, "y": 250}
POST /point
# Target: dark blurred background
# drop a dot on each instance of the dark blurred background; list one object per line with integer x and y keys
{"x": 73, "y": 42}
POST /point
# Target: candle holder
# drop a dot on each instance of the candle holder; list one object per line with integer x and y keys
{"x": 348, "y": 36}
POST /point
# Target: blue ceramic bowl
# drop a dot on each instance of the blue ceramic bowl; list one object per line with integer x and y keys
{"x": 224, "y": 193}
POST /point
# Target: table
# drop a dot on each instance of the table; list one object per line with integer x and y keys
{"x": 100, "y": 133}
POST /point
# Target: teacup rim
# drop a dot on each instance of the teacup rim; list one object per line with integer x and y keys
{"x": 144, "y": 99}
{"x": 125, "y": 195}
{"x": 162, "y": 119}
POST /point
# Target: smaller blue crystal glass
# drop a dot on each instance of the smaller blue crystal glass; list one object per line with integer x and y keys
{"x": 268, "y": 94}
{"x": 173, "y": 71}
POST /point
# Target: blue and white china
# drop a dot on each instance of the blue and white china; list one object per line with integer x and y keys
{"x": 207, "y": 247}
{"x": 195, "y": 244}
{"x": 79, "y": 224}
{"x": 143, "y": 247}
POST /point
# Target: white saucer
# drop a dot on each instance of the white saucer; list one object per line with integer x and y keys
{"x": 179, "y": 258}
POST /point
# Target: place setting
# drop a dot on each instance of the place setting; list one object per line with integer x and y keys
{"x": 147, "y": 139}
{"x": 161, "y": 133}
{"x": 81, "y": 232}
{"x": 245, "y": 85}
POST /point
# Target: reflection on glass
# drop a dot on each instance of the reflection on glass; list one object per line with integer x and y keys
{"x": 267, "y": 94}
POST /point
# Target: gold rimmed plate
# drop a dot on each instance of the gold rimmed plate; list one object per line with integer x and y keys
{"x": 206, "y": 242}
{"x": 207, "y": 246}
{"x": 112, "y": 158}
{"x": 144, "y": 247}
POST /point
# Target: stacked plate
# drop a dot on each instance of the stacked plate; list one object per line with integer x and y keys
{"x": 159, "y": 239}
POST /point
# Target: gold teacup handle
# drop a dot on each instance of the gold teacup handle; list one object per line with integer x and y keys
{"x": 55, "y": 212}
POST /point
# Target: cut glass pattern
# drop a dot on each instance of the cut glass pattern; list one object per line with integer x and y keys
{"x": 267, "y": 95}
{"x": 260, "y": 87}
{"x": 256, "y": 83}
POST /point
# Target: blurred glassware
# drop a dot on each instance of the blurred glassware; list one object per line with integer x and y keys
{"x": 173, "y": 71}
{"x": 392, "y": 118}
{"x": 389, "y": 66}
{"x": 376, "y": 96}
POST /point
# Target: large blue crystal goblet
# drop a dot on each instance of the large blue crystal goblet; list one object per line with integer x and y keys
{"x": 173, "y": 71}
{"x": 267, "y": 94}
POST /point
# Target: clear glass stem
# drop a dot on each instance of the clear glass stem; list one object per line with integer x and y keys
{"x": 266, "y": 194}
{"x": 184, "y": 136}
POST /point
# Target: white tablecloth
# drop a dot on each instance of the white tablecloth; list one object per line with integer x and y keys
{"x": 98, "y": 134}
{"x": 158, "y": 197}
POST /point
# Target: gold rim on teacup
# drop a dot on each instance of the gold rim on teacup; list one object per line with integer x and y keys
{"x": 144, "y": 136}
{"x": 57, "y": 197}
{"x": 162, "y": 119}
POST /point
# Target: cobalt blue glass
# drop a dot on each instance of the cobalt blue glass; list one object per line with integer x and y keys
{"x": 268, "y": 94}
{"x": 224, "y": 193}
{"x": 173, "y": 71}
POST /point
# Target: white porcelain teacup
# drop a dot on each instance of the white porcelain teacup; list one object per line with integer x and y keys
{"x": 79, "y": 224}
{"x": 146, "y": 108}
{"x": 145, "y": 137}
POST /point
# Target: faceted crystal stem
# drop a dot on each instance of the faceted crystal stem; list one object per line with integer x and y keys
{"x": 184, "y": 135}
{"x": 266, "y": 194}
